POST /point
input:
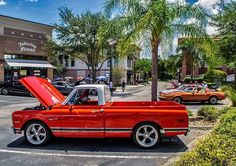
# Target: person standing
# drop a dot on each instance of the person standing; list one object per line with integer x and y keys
{"x": 111, "y": 87}
{"x": 123, "y": 85}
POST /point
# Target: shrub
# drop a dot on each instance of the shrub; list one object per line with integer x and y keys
{"x": 214, "y": 150}
{"x": 189, "y": 79}
{"x": 224, "y": 110}
{"x": 210, "y": 113}
{"x": 218, "y": 148}
{"x": 227, "y": 124}
{"x": 232, "y": 162}
{"x": 215, "y": 76}
{"x": 231, "y": 93}
{"x": 190, "y": 113}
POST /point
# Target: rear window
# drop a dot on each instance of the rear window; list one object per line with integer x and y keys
{"x": 107, "y": 94}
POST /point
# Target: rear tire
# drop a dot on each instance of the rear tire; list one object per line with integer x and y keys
{"x": 5, "y": 91}
{"x": 146, "y": 135}
{"x": 178, "y": 100}
{"x": 213, "y": 100}
{"x": 37, "y": 133}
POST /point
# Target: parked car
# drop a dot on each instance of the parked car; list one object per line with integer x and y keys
{"x": 192, "y": 93}
{"x": 64, "y": 87}
{"x": 14, "y": 87}
{"x": 85, "y": 115}
{"x": 181, "y": 87}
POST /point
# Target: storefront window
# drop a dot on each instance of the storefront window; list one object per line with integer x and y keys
{"x": 15, "y": 73}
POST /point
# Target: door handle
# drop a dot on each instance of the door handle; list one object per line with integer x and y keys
{"x": 97, "y": 111}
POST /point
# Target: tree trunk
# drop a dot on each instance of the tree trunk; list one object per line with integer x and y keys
{"x": 192, "y": 71}
{"x": 155, "y": 44}
{"x": 94, "y": 75}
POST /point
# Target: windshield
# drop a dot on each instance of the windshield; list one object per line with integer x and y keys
{"x": 181, "y": 87}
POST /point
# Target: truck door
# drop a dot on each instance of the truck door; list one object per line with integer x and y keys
{"x": 82, "y": 116}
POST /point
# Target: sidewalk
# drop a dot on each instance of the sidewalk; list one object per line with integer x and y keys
{"x": 129, "y": 88}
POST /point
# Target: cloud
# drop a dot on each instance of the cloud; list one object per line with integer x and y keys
{"x": 2, "y": 3}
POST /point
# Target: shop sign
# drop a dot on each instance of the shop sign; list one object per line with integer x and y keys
{"x": 27, "y": 47}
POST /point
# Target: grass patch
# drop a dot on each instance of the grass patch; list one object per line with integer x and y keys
{"x": 190, "y": 113}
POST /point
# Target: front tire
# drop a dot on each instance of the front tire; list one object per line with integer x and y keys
{"x": 178, "y": 100}
{"x": 37, "y": 133}
{"x": 5, "y": 91}
{"x": 146, "y": 135}
{"x": 213, "y": 100}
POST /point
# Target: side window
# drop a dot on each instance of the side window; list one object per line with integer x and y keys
{"x": 188, "y": 89}
{"x": 59, "y": 83}
{"x": 86, "y": 97}
{"x": 107, "y": 94}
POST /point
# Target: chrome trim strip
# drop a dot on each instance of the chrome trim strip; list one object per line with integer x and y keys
{"x": 70, "y": 129}
{"x": 162, "y": 131}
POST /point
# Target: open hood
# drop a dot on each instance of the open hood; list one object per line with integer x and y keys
{"x": 43, "y": 90}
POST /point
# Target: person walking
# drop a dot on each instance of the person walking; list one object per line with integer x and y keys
{"x": 123, "y": 85}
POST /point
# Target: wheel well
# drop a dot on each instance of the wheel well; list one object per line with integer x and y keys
{"x": 213, "y": 96}
{"x": 178, "y": 97}
{"x": 150, "y": 122}
{"x": 34, "y": 120}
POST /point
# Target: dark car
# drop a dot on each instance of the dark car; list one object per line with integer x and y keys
{"x": 64, "y": 87}
{"x": 14, "y": 87}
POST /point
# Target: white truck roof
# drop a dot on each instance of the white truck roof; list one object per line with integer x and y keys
{"x": 102, "y": 90}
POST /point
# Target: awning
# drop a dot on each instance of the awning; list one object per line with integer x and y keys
{"x": 28, "y": 63}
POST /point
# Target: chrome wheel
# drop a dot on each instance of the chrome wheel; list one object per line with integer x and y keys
{"x": 213, "y": 100}
{"x": 5, "y": 91}
{"x": 147, "y": 136}
{"x": 36, "y": 134}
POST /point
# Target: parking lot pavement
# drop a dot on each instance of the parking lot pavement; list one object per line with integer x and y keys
{"x": 12, "y": 100}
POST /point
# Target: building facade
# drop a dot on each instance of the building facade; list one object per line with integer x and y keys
{"x": 77, "y": 68}
{"x": 22, "y": 49}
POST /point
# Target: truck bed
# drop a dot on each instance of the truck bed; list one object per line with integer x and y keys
{"x": 156, "y": 105}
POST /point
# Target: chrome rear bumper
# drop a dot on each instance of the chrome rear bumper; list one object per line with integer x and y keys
{"x": 16, "y": 130}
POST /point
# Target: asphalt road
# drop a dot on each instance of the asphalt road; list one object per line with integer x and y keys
{"x": 15, "y": 151}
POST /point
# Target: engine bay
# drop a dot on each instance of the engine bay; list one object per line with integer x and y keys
{"x": 38, "y": 107}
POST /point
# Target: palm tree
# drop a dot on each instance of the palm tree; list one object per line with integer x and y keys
{"x": 158, "y": 22}
{"x": 199, "y": 50}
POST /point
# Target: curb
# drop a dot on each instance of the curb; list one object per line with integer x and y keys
{"x": 200, "y": 127}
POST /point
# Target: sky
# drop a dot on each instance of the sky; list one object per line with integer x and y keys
{"x": 46, "y": 11}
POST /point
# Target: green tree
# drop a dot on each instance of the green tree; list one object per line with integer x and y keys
{"x": 144, "y": 67}
{"x": 199, "y": 50}
{"x": 157, "y": 21}
{"x": 173, "y": 62}
{"x": 78, "y": 36}
{"x": 225, "y": 21}
{"x": 163, "y": 72}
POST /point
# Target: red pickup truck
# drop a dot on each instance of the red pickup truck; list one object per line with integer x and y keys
{"x": 88, "y": 112}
